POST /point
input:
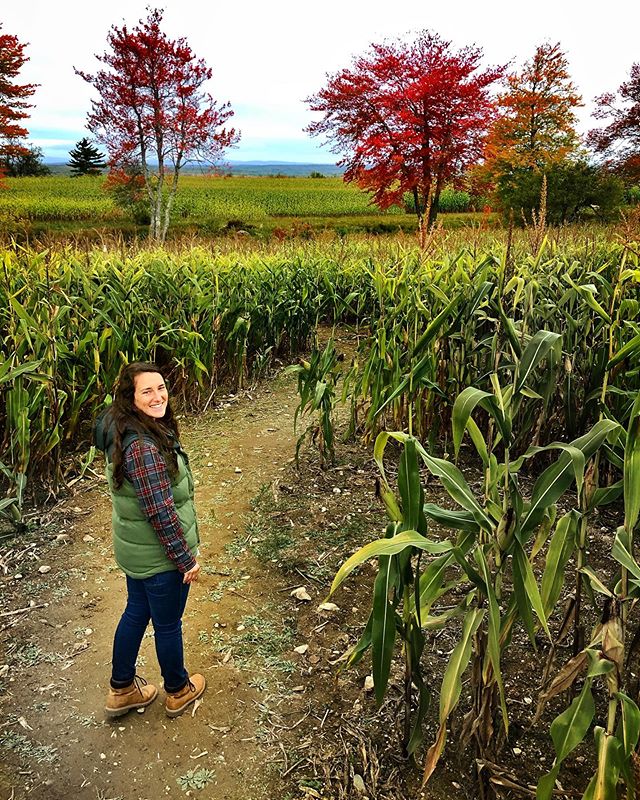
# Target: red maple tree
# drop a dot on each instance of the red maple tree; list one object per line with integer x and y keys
{"x": 619, "y": 142}
{"x": 14, "y": 96}
{"x": 408, "y": 117}
{"x": 152, "y": 111}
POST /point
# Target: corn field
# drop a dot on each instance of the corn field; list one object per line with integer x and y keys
{"x": 528, "y": 368}
{"x": 518, "y": 359}
{"x": 200, "y": 197}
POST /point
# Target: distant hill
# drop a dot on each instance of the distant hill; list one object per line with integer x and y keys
{"x": 288, "y": 168}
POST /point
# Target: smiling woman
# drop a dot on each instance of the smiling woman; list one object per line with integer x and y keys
{"x": 155, "y": 537}
{"x": 150, "y": 395}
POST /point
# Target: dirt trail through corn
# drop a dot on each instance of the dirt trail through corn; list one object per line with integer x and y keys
{"x": 54, "y": 739}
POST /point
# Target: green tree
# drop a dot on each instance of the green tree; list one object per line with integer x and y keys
{"x": 86, "y": 159}
{"x": 575, "y": 190}
{"x": 19, "y": 161}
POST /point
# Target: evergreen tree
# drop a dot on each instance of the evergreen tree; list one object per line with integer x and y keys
{"x": 86, "y": 159}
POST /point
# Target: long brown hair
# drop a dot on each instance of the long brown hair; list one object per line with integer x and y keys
{"x": 126, "y": 418}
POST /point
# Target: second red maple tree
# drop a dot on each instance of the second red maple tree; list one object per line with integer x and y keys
{"x": 408, "y": 117}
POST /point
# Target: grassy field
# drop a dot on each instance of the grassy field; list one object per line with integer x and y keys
{"x": 204, "y": 204}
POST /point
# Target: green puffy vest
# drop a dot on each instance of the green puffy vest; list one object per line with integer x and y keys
{"x": 137, "y": 549}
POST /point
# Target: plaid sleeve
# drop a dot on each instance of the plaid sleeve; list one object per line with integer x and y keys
{"x": 145, "y": 467}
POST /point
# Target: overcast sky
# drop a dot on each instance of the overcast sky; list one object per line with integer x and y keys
{"x": 267, "y": 56}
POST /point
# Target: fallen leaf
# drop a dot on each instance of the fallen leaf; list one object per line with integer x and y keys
{"x": 301, "y": 593}
{"x": 196, "y": 706}
{"x": 358, "y": 783}
{"x": 328, "y": 607}
{"x": 24, "y": 723}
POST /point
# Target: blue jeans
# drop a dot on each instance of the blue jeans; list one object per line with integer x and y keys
{"x": 160, "y": 598}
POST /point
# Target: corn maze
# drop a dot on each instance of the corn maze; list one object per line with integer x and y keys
{"x": 517, "y": 360}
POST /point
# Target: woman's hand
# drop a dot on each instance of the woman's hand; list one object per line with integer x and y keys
{"x": 192, "y": 574}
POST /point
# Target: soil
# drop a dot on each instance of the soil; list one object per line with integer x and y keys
{"x": 279, "y": 718}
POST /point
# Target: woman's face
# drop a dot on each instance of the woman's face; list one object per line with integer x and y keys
{"x": 150, "y": 395}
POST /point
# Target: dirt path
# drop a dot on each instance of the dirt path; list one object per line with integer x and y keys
{"x": 54, "y": 660}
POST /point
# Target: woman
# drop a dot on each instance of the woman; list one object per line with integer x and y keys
{"x": 155, "y": 537}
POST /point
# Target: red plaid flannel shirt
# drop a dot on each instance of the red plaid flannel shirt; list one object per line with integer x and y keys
{"x": 145, "y": 467}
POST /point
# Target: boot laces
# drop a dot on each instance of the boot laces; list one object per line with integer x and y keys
{"x": 139, "y": 682}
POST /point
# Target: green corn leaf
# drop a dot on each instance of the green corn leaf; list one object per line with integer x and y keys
{"x": 6, "y": 502}
{"x": 387, "y": 547}
{"x": 415, "y": 642}
{"x": 520, "y": 594}
{"x": 431, "y": 586}
{"x": 560, "y": 549}
{"x": 606, "y": 495}
{"x": 596, "y": 584}
{"x": 463, "y": 407}
{"x": 459, "y": 520}
{"x": 535, "y": 352}
{"x": 622, "y": 552}
{"x": 576, "y": 455}
{"x": 598, "y": 664}
{"x": 567, "y": 731}
{"x": 9, "y": 373}
{"x": 630, "y": 726}
{"x": 410, "y": 487}
{"x": 434, "y": 326}
{"x": 457, "y": 487}
{"x": 450, "y": 476}
{"x": 494, "y": 649}
{"x": 631, "y": 475}
{"x": 609, "y": 753}
{"x": 435, "y": 622}
{"x": 478, "y": 441}
{"x": 630, "y": 350}
{"x": 557, "y": 478}
{"x": 530, "y": 585}
{"x": 569, "y": 728}
{"x": 383, "y": 629}
{"x": 510, "y": 330}
{"x": 452, "y": 687}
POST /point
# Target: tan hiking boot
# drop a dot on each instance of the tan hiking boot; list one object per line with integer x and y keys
{"x": 177, "y": 702}
{"x": 138, "y": 694}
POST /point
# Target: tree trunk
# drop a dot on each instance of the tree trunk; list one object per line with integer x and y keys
{"x": 170, "y": 198}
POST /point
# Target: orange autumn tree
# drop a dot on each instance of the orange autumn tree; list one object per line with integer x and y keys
{"x": 13, "y": 98}
{"x": 536, "y": 127}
